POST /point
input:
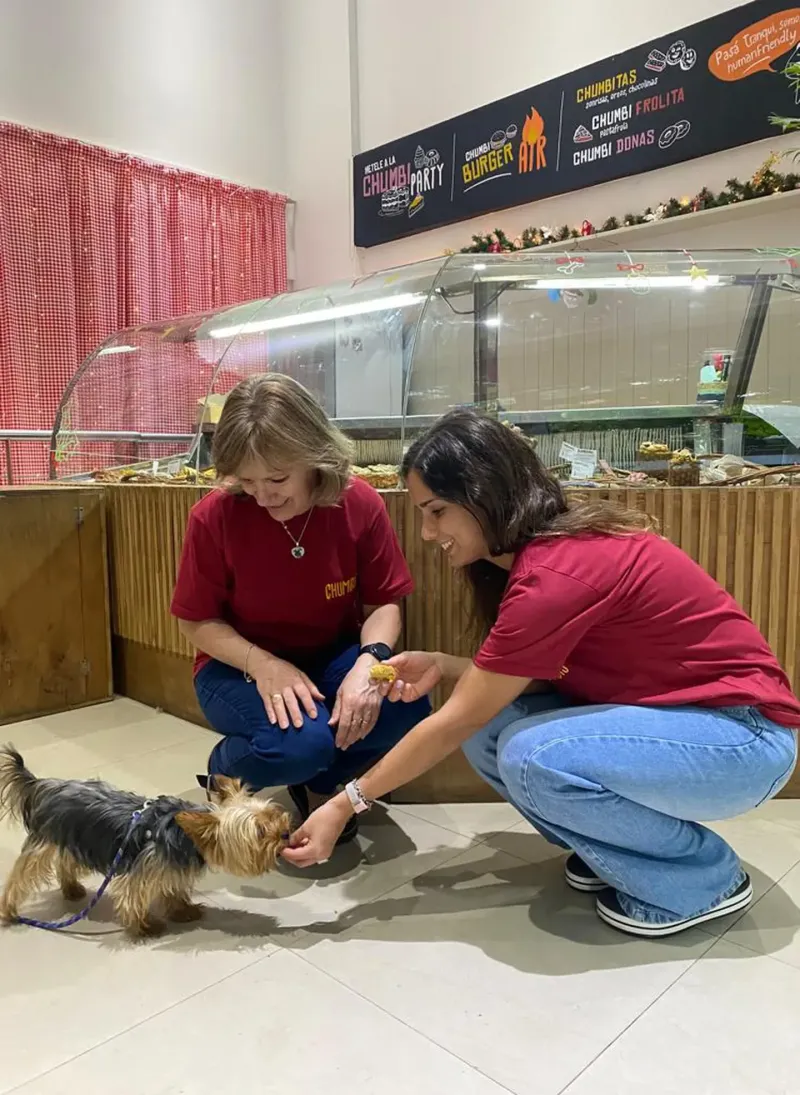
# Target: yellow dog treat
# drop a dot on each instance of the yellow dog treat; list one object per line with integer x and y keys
{"x": 383, "y": 672}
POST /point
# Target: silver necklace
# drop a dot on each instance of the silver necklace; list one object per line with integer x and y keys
{"x": 298, "y": 551}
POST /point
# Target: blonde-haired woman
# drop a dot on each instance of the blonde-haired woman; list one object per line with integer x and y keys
{"x": 289, "y": 588}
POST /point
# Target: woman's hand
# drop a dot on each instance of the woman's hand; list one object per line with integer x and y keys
{"x": 357, "y": 706}
{"x": 418, "y": 673}
{"x": 316, "y": 838}
{"x": 283, "y": 688}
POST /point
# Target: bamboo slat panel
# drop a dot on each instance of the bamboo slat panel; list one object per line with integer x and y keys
{"x": 746, "y": 538}
{"x": 146, "y": 530}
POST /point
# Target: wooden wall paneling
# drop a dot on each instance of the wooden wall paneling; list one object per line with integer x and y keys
{"x": 54, "y": 616}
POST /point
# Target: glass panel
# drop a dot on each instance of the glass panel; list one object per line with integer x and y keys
{"x": 610, "y": 352}
{"x": 626, "y": 356}
{"x": 350, "y": 344}
{"x": 153, "y": 393}
{"x": 135, "y": 401}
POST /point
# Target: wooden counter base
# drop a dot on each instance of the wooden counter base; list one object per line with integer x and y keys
{"x": 747, "y": 538}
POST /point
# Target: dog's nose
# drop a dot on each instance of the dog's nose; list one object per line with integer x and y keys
{"x": 285, "y": 837}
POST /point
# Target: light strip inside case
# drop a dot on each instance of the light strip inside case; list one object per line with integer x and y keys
{"x": 320, "y": 315}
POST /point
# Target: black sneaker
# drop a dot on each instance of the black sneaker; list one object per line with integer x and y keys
{"x": 580, "y": 877}
{"x": 610, "y": 910}
{"x": 299, "y": 796}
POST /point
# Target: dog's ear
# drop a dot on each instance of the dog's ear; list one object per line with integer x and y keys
{"x": 200, "y": 826}
{"x": 225, "y": 787}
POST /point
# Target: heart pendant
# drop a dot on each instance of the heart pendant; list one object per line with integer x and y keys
{"x": 298, "y": 551}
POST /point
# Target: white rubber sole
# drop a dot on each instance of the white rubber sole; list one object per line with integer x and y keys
{"x": 617, "y": 919}
{"x": 583, "y": 884}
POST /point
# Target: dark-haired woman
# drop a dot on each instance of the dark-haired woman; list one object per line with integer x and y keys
{"x": 620, "y": 696}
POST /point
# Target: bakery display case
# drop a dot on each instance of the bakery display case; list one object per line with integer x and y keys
{"x": 645, "y": 367}
{"x": 663, "y": 380}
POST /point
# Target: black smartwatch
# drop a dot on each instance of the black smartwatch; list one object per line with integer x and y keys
{"x": 378, "y": 650}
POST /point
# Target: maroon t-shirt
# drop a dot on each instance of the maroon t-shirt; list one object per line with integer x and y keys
{"x": 632, "y": 620}
{"x": 237, "y": 566}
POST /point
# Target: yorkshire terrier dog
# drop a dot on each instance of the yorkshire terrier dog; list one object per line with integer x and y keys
{"x": 77, "y": 827}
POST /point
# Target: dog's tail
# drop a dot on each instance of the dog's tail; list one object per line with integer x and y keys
{"x": 16, "y": 783}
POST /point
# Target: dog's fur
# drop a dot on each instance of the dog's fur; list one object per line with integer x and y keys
{"x": 76, "y": 827}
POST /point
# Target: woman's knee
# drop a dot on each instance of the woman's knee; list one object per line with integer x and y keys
{"x": 535, "y": 774}
{"x": 298, "y": 754}
{"x": 483, "y": 749}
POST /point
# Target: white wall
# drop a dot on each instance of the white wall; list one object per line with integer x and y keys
{"x": 276, "y": 94}
{"x": 426, "y": 60}
{"x": 191, "y": 82}
{"x": 317, "y": 113}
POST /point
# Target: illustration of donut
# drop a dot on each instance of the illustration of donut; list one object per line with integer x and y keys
{"x": 688, "y": 60}
{"x": 675, "y": 52}
{"x": 675, "y": 132}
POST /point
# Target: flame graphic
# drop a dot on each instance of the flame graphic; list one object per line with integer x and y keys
{"x": 533, "y": 127}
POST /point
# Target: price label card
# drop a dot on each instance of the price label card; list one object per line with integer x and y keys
{"x": 584, "y": 464}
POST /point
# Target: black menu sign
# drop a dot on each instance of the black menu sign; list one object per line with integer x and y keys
{"x": 706, "y": 88}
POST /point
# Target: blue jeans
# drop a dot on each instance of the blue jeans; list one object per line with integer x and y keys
{"x": 263, "y": 755}
{"x": 625, "y": 788}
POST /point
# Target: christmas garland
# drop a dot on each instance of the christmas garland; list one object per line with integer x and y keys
{"x": 765, "y": 181}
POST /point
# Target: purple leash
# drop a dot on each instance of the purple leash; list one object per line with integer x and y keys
{"x": 67, "y": 922}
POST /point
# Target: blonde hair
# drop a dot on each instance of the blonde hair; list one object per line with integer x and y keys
{"x": 274, "y": 418}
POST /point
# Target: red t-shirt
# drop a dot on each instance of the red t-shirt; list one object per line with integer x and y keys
{"x": 632, "y": 620}
{"x": 237, "y": 566}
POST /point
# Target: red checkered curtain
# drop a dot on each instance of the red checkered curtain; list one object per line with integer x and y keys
{"x": 93, "y": 241}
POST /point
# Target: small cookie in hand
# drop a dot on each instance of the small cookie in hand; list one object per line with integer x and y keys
{"x": 383, "y": 672}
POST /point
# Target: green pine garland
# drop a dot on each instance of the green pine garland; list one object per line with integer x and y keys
{"x": 766, "y": 180}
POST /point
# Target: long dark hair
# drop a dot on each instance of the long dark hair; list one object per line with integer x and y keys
{"x": 493, "y": 472}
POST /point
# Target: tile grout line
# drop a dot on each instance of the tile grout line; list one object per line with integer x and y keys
{"x": 456, "y": 832}
{"x": 141, "y": 1022}
{"x": 714, "y": 939}
{"x": 396, "y": 1018}
{"x": 565, "y": 1090}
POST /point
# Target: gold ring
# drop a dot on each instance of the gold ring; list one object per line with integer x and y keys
{"x": 277, "y": 696}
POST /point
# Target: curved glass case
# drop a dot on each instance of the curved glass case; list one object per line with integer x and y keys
{"x": 650, "y": 366}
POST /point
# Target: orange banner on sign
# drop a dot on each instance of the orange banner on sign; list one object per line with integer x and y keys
{"x": 757, "y": 46}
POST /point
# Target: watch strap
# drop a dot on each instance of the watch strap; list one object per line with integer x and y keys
{"x": 381, "y": 651}
{"x": 358, "y": 799}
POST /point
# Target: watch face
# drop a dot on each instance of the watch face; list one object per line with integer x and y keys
{"x": 378, "y": 650}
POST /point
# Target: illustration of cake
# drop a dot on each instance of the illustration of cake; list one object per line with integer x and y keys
{"x": 394, "y": 201}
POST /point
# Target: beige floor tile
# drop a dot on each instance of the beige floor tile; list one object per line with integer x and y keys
{"x": 101, "y": 716}
{"x": 278, "y": 1027}
{"x": 523, "y": 842}
{"x": 473, "y": 819}
{"x": 31, "y": 734}
{"x": 767, "y": 850}
{"x": 728, "y": 1027}
{"x": 500, "y": 963}
{"x": 784, "y": 811}
{"x": 168, "y": 771}
{"x": 391, "y": 849}
{"x": 772, "y": 926}
{"x": 62, "y": 993}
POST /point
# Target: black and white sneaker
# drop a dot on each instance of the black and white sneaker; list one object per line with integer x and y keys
{"x": 580, "y": 877}
{"x": 610, "y": 910}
